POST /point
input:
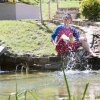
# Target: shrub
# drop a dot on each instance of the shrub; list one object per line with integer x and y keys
{"x": 34, "y": 2}
{"x": 90, "y": 9}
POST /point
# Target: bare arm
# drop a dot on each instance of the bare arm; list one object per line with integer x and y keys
{"x": 54, "y": 42}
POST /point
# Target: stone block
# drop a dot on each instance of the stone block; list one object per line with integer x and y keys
{"x": 43, "y": 60}
{"x": 53, "y": 66}
{"x": 2, "y": 50}
{"x": 54, "y": 58}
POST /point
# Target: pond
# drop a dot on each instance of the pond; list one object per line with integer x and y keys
{"x": 50, "y": 85}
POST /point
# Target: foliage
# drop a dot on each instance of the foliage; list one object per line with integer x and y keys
{"x": 83, "y": 97}
{"x": 34, "y": 2}
{"x": 68, "y": 89}
{"x": 90, "y": 9}
{"x": 25, "y": 94}
{"x": 67, "y": 86}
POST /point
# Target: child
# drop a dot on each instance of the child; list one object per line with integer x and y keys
{"x": 65, "y": 36}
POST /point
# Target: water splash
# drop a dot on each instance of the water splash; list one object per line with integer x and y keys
{"x": 21, "y": 67}
{"x": 76, "y": 60}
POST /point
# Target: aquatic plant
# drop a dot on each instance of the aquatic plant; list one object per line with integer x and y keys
{"x": 68, "y": 89}
{"x": 16, "y": 94}
{"x": 24, "y": 92}
{"x": 67, "y": 86}
{"x": 83, "y": 98}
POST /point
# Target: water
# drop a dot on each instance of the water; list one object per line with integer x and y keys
{"x": 76, "y": 60}
{"x": 50, "y": 85}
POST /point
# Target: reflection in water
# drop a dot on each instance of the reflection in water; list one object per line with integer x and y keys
{"x": 94, "y": 92}
{"x": 51, "y": 86}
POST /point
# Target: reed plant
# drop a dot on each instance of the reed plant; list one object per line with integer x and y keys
{"x": 25, "y": 92}
{"x": 68, "y": 89}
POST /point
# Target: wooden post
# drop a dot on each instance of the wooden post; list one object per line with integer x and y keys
{"x": 41, "y": 12}
{"x": 57, "y": 4}
{"x": 49, "y": 11}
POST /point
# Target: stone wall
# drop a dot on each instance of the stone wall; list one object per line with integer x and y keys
{"x": 62, "y": 11}
{"x": 7, "y": 11}
{"x": 12, "y": 62}
{"x": 13, "y": 11}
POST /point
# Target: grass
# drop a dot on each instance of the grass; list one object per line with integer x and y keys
{"x": 27, "y": 36}
{"x": 24, "y": 95}
{"x": 68, "y": 89}
{"x": 53, "y": 8}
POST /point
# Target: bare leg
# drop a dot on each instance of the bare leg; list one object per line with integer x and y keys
{"x": 85, "y": 45}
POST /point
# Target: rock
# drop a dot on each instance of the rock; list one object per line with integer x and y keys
{"x": 2, "y": 50}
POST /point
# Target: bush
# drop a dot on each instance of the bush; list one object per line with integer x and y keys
{"x": 90, "y": 9}
{"x": 34, "y": 2}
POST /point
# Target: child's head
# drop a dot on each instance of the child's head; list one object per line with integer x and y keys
{"x": 67, "y": 18}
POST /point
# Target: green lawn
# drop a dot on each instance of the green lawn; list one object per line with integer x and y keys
{"x": 53, "y": 9}
{"x": 27, "y": 36}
